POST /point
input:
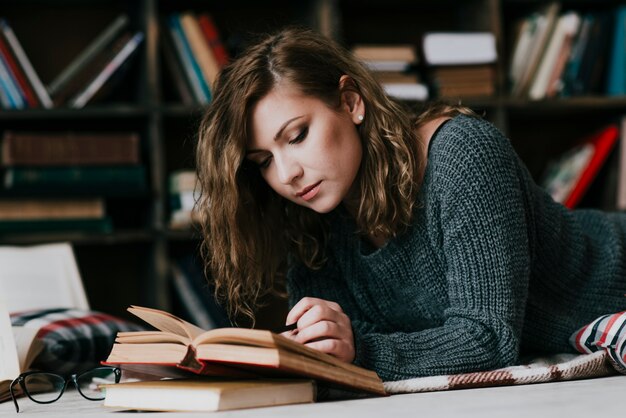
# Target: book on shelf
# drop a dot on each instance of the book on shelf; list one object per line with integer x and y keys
{"x": 20, "y": 56}
{"x": 11, "y": 94}
{"x": 88, "y": 54}
{"x": 232, "y": 352}
{"x": 174, "y": 67}
{"x": 569, "y": 177}
{"x": 55, "y": 208}
{"x": 122, "y": 56}
{"x": 8, "y": 59}
{"x": 184, "y": 191}
{"x": 207, "y": 394}
{"x": 200, "y": 47}
{"x": 621, "y": 179}
{"x": 189, "y": 61}
{"x": 102, "y": 225}
{"x": 530, "y": 47}
{"x": 616, "y": 78}
{"x": 94, "y": 180}
{"x": 459, "y": 48}
{"x": 69, "y": 148}
{"x": 544, "y": 82}
{"x": 213, "y": 38}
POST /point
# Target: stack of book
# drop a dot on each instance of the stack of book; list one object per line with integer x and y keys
{"x": 194, "y": 54}
{"x": 461, "y": 64}
{"x": 184, "y": 192}
{"x": 88, "y": 78}
{"x": 569, "y": 54}
{"x": 60, "y": 179}
{"x": 394, "y": 66}
{"x": 237, "y": 360}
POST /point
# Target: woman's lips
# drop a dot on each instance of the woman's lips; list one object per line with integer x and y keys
{"x": 310, "y": 192}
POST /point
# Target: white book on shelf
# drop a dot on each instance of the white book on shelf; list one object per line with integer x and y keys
{"x": 24, "y": 62}
{"x": 459, "y": 48}
{"x": 565, "y": 30}
{"x": 406, "y": 91}
{"x": 41, "y": 277}
{"x": 81, "y": 99}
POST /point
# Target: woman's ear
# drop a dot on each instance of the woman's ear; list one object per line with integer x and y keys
{"x": 351, "y": 99}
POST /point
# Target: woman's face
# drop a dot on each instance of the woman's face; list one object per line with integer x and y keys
{"x": 307, "y": 152}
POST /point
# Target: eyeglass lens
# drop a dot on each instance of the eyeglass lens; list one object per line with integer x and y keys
{"x": 44, "y": 387}
{"x": 89, "y": 382}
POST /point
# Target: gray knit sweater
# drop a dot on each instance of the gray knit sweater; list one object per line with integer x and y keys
{"x": 490, "y": 268}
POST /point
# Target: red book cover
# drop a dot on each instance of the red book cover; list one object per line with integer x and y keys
{"x": 603, "y": 142}
{"x": 213, "y": 38}
{"x": 31, "y": 99}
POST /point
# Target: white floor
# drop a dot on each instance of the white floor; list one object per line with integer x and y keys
{"x": 601, "y": 397}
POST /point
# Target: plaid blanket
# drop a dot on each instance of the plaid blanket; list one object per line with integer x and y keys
{"x": 602, "y": 341}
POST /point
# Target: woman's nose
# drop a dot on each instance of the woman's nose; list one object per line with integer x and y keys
{"x": 288, "y": 169}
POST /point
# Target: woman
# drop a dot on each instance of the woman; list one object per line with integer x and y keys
{"x": 412, "y": 247}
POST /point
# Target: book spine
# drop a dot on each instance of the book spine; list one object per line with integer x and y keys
{"x": 22, "y": 58}
{"x": 83, "y": 97}
{"x": 18, "y": 92}
{"x": 603, "y": 144}
{"x": 14, "y": 99}
{"x": 616, "y": 83}
{"x": 49, "y": 149}
{"x": 90, "y": 180}
{"x": 191, "y": 64}
{"x": 103, "y": 225}
{"x": 175, "y": 67}
{"x": 200, "y": 48}
{"x": 28, "y": 208}
{"x": 213, "y": 38}
{"x": 29, "y": 94}
{"x": 88, "y": 54}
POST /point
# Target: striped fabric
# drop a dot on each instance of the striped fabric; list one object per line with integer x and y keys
{"x": 607, "y": 333}
{"x": 74, "y": 340}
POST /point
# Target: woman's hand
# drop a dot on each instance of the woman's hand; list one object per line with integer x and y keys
{"x": 324, "y": 326}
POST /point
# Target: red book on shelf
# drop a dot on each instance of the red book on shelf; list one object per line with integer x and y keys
{"x": 213, "y": 38}
{"x": 603, "y": 142}
{"x": 31, "y": 99}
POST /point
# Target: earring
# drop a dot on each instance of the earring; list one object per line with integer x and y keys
{"x": 360, "y": 117}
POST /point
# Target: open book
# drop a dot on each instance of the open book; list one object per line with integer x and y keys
{"x": 231, "y": 352}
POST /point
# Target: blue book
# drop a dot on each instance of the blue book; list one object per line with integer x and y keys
{"x": 181, "y": 43}
{"x": 9, "y": 86}
{"x": 616, "y": 80}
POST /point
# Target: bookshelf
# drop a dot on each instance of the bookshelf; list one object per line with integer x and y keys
{"x": 136, "y": 255}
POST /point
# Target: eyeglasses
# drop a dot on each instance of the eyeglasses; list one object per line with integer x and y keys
{"x": 44, "y": 387}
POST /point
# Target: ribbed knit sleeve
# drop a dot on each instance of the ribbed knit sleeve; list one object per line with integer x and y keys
{"x": 476, "y": 188}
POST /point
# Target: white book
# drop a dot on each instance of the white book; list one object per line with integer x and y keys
{"x": 459, "y": 48}
{"x": 24, "y": 62}
{"x": 41, "y": 277}
{"x": 406, "y": 91}
{"x": 81, "y": 99}
{"x": 566, "y": 28}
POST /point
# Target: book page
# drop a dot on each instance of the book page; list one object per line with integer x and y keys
{"x": 9, "y": 362}
{"x": 41, "y": 277}
{"x": 28, "y": 346}
{"x": 166, "y": 322}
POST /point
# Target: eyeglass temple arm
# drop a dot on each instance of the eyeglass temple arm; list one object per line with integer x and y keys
{"x": 13, "y": 397}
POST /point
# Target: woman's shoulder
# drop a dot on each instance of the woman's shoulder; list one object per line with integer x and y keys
{"x": 469, "y": 140}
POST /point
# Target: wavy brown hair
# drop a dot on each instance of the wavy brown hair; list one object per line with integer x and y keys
{"x": 248, "y": 230}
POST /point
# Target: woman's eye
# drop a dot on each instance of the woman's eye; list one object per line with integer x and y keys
{"x": 300, "y": 136}
{"x": 265, "y": 163}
